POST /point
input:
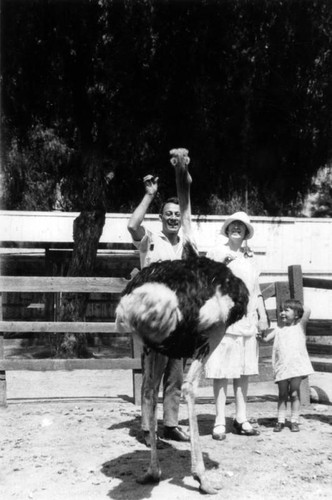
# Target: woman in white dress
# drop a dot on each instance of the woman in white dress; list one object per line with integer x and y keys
{"x": 236, "y": 356}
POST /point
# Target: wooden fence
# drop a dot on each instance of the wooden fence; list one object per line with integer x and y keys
{"x": 60, "y": 285}
{"x": 280, "y": 290}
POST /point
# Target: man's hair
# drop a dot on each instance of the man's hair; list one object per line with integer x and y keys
{"x": 173, "y": 199}
{"x": 294, "y": 304}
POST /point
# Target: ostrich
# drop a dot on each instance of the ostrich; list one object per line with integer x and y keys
{"x": 181, "y": 308}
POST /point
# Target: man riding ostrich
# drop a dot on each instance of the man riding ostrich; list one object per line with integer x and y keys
{"x": 181, "y": 308}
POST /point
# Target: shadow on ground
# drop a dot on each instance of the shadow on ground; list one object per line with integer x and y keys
{"x": 325, "y": 419}
{"x": 122, "y": 468}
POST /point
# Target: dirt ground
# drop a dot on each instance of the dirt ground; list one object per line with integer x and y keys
{"x": 76, "y": 435}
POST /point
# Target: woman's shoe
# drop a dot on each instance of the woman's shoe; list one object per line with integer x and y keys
{"x": 294, "y": 427}
{"x": 238, "y": 429}
{"x": 278, "y": 427}
{"x": 219, "y": 435}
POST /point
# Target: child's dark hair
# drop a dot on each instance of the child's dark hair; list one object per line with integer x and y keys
{"x": 173, "y": 199}
{"x": 294, "y": 304}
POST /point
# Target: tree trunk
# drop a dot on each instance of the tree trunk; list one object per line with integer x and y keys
{"x": 87, "y": 230}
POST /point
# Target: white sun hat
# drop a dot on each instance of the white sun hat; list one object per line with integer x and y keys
{"x": 241, "y": 216}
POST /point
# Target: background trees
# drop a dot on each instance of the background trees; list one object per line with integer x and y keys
{"x": 246, "y": 86}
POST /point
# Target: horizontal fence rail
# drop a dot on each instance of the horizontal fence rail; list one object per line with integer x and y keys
{"x": 325, "y": 284}
{"x": 52, "y": 284}
{"x": 57, "y": 327}
{"x": 319, "y": 328}
{"x": 70, "y": 364}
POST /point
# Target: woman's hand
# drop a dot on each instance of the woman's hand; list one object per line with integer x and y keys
{"x": 263, "y": 325}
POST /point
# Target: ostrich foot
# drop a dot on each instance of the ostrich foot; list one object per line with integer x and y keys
{"x": 207, "y": 484}
{"x": 150, "y": 477}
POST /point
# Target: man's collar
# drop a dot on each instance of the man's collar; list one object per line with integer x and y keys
{"x": 164, "y": 237}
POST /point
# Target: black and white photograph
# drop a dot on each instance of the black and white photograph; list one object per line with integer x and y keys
{"x": 166, "y": 249}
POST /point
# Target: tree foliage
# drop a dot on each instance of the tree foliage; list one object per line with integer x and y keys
{"x": 31, "y": 170}
{"x": 245, "y": 85}
{"x": 318, "y": 200}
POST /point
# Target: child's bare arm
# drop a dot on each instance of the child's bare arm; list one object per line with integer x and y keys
{"x": 306, "y": 315}
{"x": 269, "y": 335}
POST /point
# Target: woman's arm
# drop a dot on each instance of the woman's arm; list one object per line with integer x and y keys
{"x": 263, "y": 321}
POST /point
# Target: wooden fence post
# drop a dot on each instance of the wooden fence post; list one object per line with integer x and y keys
{"x": 282, "y": 294}
{"x": 295, "y": 279}
{"x": 3, "y": 384}
{"x": 136, "y": 346}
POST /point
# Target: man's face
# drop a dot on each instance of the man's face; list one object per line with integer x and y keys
{"x": 171, "y": 219}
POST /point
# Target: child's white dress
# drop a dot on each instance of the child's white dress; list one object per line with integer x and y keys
{"x": 289, "y": 355}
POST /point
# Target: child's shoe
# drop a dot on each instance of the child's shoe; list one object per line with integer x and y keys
{"x": 294, "y": 427}
{"x": 278, "y": 427}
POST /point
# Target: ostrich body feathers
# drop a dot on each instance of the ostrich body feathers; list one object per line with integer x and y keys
{"x": 172, "y": 305}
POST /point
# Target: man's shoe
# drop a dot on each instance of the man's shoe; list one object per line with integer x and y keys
{"x": 278, "y": 427}
{"x": 294, "y": 427}
{"x": 175, "y": 434}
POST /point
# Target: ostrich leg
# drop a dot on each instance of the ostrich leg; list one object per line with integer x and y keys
{"x": 189, "y": 389}
{"x": 154, "y": 472}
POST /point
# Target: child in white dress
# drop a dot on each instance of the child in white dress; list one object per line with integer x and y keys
{"x": 290, "y": 359}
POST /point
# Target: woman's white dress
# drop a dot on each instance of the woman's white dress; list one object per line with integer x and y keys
{"x": 237, "y": 353}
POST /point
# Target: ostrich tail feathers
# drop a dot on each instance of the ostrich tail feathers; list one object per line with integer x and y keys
{"x": 151, "y": 311}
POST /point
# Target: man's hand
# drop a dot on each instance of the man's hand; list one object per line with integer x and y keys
{"x": 151, "y": 184}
